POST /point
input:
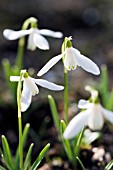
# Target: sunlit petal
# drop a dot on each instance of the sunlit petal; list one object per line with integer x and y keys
{"x": 40, "y": 41}
{"x": 108, "y": 115}
{"x": 32, "y": 86}
{"x": 26, "y": 98}
{"x": 51, "y": 33}
{"x": 96, "y": 118}
{"x": 47, "y": 84}
{"x": 13, "y": 35}
{"x": 84, "y": 104}
{"x": 70, "y": 62}
{"x": 50, "y": 64}
{"x": 14, "y": 78}
{"x": 30, "y": 45}
{"x": 87, "y": 64}
{"x": 76, "y": 125}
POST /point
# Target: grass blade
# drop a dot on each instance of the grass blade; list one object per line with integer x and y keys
{"x": 66, "y": 142}
{"x": 24, "y": 139}
{"x": 80, "y": 162}
{"x": 54, "y": 112}
{"x": 7, "y": 152}
{"x": 40, "y": 157}
{"x": 109, "y": 165}
{"x": 28, "y": 156}
{"x": 2, "y": 168}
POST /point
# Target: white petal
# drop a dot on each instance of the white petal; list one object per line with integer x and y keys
{"x": 30, "y": 45}
{"x": 40, "y": 41}
{"x": 76, "y": 125}
{"x": 96, "y": 118}
{"x": 82, "y": 104}
{"x": 47, "y": 84}
{"x": 70, "y": 60}
{"x": 13, "y": 35}
{"x": 31, "y": 85}
{"x": 108, "y": 115}
{"x": 51, "y": 33}
{"x": 14, "y": 78}
{"x": 87, "y": 64}
{"x": 50, "y": 64}
{"x": 26, "y": 98}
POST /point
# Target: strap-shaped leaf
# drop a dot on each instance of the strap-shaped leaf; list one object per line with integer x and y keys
{"x": 40, "y": 157}
{"x": 7, "y": 152}
{"x": 109, "y": 165}
{"x": 28, "y": 157}
{"x": 2, "y": 168}
{"x": 24, "y": 139}
{"x": 66, "y": 142}
{"x": 77, "y": 146}
{"x": 80, "y": 162}
{"x": 54, "y": 112}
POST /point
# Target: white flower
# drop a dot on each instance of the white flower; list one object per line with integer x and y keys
{"x": 30, "y": 89}
{"x": 72, "y": 59}
{"x": 93, "y": 117}
{"x": 35, "y": 38}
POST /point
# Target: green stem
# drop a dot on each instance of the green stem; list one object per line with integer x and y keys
{"x": 21, "y": 43}
{"x": 20, "y": 122}
{"x": 66, "y": 95}
{"x": 64, "y": 45}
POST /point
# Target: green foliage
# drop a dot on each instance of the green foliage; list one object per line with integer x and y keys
{"x": 109, "y": 165}
{"x": 12, "y": 163}
{"x": 106, "y": 94}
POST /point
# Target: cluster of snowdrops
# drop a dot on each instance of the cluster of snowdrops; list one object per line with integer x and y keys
{"x": 92, "y": 112}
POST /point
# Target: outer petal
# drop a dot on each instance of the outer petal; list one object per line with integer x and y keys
{"x": 51, "y": 33}
{"x": 70, "y": 60}
{"x": 30, "y": 45}
{"x": 47, "y": 84}
{"x": 82, "y": 104}
{"x": 108, "y": 115}
{"x": 26, "y": 98}
{"x": 50, "y": 64}
{"x": 13, "y": 35}
{"x": 14, "y": 78}
{"x": 40, "y": 41}
{"x": 31, "y": 85}
{"x": 96, "y": 118}
{"x": 76, "y": 125}
{"x": 87, "y": 64}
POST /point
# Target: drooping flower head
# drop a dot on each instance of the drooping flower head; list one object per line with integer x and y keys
{"x": 93, "y": 116}
{"x": 71, "y": 58}
{"x": 30, "y": 89}
{"x": 36, "y": 38}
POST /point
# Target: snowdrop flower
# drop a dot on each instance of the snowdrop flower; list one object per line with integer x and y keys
{"x": 93, "y": 117}
{"x": 72, "y": 59}
{"x": 35, "y": 38}
{"x": 30, "y": 89}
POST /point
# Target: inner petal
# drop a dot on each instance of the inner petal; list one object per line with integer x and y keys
{"x": 70, "y": 61}
{"x": 32, "y": 86}
{"x": 96, "y": 119}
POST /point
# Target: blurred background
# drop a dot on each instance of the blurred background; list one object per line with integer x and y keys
{"x": 90, "y": 23}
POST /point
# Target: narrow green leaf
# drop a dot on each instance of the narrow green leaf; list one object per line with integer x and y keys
{"x": 7, "y": 152}
{"x": 104, "y": 87}
{"x": 6, "y": 163}
{"x": 54, "y": 112}
{"x": 28, "y": 157}
{"x": 109, "y": 165}
{"x": 2, "y": 168}
{"x": 66, "y": 142}
{"x": 109, "y": 104}
{"x": 24, "y": 139}
{"x": 40, "y": 157}
{"x": 77, "y": 146}
{"x": 81, "y": 163}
